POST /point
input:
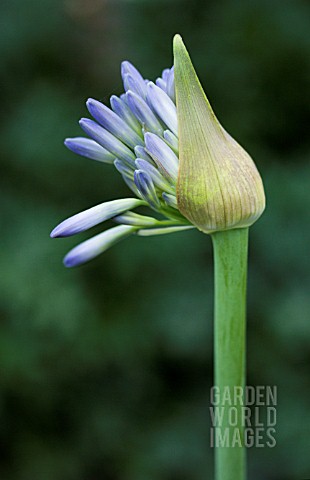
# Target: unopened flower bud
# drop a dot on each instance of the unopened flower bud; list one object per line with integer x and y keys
{"x": 218, "y": 187}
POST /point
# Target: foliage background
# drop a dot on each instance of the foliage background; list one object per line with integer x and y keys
{"x": 106, "y": 369}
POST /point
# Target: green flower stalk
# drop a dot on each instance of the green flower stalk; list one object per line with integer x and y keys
{"x": 173, "y": 154}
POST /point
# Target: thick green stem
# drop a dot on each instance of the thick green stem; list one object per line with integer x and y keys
{"x": 230, "y": 259}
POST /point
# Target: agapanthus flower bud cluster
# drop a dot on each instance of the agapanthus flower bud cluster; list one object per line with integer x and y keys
{"x": 173, "y": 154}
{"x": 139, "y": 135}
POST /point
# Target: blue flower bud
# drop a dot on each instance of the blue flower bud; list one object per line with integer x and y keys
{"x": 96, "y": 245}
{"x": 107, "y": 140}
{"x": 163, "y": 156}
{"x": 89, "y": 148}
{"x": 158, "y": 180}
{"x": 141, "y": 153}
{"x": 143, "y": 112}
{"x": 172, "y": 141}
{"x": 133, "y": 78}
{"x": 113, "y": 123}
{"x": 163, "y": 106}
{"x": 146, "y": 187}
{"x": 170, "y": 200}
{"x": 170, "y": 89}
{"x": 131, "y": 84}
{"x": 93, "y": 216}
{"x": 120, "y": 107}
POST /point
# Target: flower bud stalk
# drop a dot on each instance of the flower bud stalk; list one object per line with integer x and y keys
{"x": 230, "y": 269}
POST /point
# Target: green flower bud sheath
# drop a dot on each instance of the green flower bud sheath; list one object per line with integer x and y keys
{"x": 218, "y": 187}
{"x": 220, "y": 191}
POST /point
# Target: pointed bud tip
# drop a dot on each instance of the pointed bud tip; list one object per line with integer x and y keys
{"x": 177, "y": 41}
{"x": 179, "y": 49}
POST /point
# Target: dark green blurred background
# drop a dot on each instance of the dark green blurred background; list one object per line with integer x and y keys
{"x": 106, "y": 369}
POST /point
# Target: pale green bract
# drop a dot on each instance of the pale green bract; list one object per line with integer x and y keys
{"x": 219, "y": 187}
